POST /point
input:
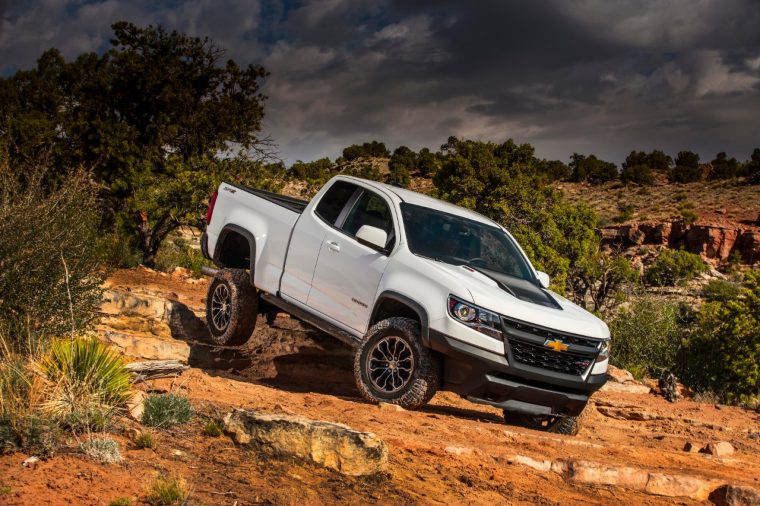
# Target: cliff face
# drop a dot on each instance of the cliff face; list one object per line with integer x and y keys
{"x": 714, "y": 243}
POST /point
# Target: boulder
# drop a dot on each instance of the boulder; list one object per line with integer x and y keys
{"x": 619, "y": 375}
{"x": 148, "y": 348}
{"x": 331, "y": 445}
{"x": 675, "y": 485}
{"x": 638, "y": 415}
{"x": 595, "y": 473}
{"x": 734, "y": 495}
{"x": 458, "y": 450}
{"x": 136, "y": 405}
{"x": 719, "y": 449}
{"x": 625, "y": 388}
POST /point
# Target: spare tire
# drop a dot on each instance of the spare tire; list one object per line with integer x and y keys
{"x": 231, "y": 307}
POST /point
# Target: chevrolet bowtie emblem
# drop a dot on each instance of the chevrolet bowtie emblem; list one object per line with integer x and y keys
{"x": 556, "y": 345}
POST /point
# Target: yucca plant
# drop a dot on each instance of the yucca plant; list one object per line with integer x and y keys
{"x": 87, "y": 381}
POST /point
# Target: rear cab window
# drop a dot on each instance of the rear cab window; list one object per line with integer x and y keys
{"x": 334, "y": 200}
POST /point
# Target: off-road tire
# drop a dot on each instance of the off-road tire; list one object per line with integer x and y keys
{"x": 243, "y": 307}
{"x": 567, "y": 425}
{"x": 425, "y": 372}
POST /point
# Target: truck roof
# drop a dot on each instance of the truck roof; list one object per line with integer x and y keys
{"x": 419, "y": 199}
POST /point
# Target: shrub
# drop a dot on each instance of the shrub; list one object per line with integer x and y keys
{"x": 166, "y": 410}
{"x": 49, "y": 263}
{"x": 23, "y": 425}
{"x": 688, "y": 214}
{"x": 145, "y": 439}
{"x": 674, "y": 267}
{"x": 626, "y": 213}
{"x": 167, "y": 491}
{"x": 646, "y": 336}
{"x": 102, "y": 449}
{"x": 639, "y": 174}
{"x": 723, "y": 352}
{"x": 87, "y": 381}
{"x": 592, "y": 169}
{"x": 718, "y": 290}
{"x": 120, "y": 501}
{"x": 212, "y": 429}
{"x": 177, "y": 253}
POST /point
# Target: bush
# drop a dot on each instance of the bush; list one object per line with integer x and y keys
{"x": 87, "y": 382}
{"x": 646, "y": 337}
{"x": 674, "y": 267}
{"x": 626, "y": 213}
{"x": 639, "y": 174}
{"x": 592, "y": 169}
{"x": 167, "y": 491}
{"x": 723, "y": 352}
{"x": 177, "y": 253}
{"x": 102, "y": 449}
{"x": 49, "y": 256}
{"x": 145, "y": 439}
{"x": 166, "y": 410}
{"x": 120, "y": 501}
{"x": 718, "y": 290}
{"x": 212, "y": 429}
{"x": 23, "y": 425}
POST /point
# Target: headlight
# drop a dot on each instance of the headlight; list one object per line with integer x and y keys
{"x": 477, "y": 318}
{"x": 604, "y": 350}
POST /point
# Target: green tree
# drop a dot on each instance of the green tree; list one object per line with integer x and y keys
{"x": 598, "y": 278}
{"x": 155, "y": 105}
{"x": 592, "y": 169}
{"x": 687, "y": 169}
{"x": 673, "y": 267}
{"x": 500, "y": 181}
{"x": 402, "y": 162}
{"x": 372, "y": 149}
{"x": 428, "y": 163}
{"x": 723, "y": 167}
{"x": 723, "y": 352}
{"x": 659, "y": 161}
{"x": 553, "y": 170}
{"x": 752, "y": 167}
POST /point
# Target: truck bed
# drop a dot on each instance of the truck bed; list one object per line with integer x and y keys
{"x": 292, "y": 203}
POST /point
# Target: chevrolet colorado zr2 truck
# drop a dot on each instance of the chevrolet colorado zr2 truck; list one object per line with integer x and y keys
{"x": 431, "y": 296}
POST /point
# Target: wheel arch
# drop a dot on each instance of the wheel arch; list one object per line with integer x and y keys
{"x": 233, "y": 256}
{"x": 390, "y": 303}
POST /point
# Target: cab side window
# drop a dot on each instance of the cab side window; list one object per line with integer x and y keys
{"x": 334, "y": 200}
{"x": 370, "y": 209}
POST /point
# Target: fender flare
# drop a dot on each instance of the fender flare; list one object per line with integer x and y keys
{"x": 415, "y": 306}
{"x": 251, "y": 245}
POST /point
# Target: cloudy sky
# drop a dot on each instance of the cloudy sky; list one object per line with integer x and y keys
{"x": 592, "y": 76}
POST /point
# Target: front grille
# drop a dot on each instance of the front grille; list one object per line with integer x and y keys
{"x": 544, "y": 358}
{"x": 527, "y": 343}
{"x": 551, "y": 334}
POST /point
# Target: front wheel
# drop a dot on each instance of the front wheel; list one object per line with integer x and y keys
{"x": 568, "y": 425}
{"x": 231, "y": 307}
{"x": 391, "y": 365}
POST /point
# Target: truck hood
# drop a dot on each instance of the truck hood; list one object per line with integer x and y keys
{"x": 559, "y": 314}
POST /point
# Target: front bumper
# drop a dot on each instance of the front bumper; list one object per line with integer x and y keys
{"x": 486, "y": 377}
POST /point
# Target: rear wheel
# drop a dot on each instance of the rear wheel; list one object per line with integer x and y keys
{"x": 391, "y": 365}
{"x": 231, "y": 307}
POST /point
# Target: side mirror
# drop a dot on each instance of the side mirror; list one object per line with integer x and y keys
{"x": 543, "y": 279}
{"x": 373, "y": 237}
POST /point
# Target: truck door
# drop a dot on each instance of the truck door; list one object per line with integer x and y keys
{"x": 348, "y": 273}
{"x": 307, "y": 237}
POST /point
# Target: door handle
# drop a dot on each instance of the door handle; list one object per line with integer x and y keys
{"x": 334, "y": 246}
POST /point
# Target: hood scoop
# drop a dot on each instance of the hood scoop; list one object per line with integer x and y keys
{"x": 520, "y": 288}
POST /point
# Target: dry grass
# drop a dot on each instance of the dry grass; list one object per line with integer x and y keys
{"x": 728, "y": 201}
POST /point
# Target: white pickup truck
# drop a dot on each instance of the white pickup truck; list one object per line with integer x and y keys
{"x": 432, "y": 296}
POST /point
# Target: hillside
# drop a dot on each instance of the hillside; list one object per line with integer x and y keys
{"x": 633, "y": 448}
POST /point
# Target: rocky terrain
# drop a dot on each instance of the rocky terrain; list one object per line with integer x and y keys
{"x": 297, "y": 431}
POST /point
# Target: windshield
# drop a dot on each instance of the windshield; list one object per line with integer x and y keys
{"x": 459, "y": 241}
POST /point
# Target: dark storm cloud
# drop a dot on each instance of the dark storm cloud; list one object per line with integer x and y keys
{"x": 601, "y": 76}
